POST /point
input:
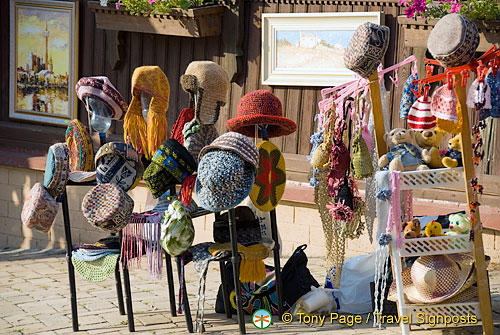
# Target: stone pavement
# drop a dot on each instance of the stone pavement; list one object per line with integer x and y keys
{"x": 34, "y": 299}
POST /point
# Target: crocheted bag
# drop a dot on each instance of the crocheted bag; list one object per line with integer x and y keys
{"x": 361, "y": 164}
{"x": 366, "y": 49}
{"x": 39, "y": 209}
{"x": 81, "y": 154}
{"x": 56, "y": 169}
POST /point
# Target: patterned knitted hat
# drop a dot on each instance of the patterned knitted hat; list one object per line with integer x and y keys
{"x": 237, "y": 143}
{"x": 118, "y": 163}
{"x": 211, "y": 86}
{"x": 444, "y": 104}
{"x": 453, "y": 40}
{"x": 270, "y": 179}
{"x": 197, "y": 136}
{"x": 80, "y": 151}
{"x": 147, "y": 138}
{"x": 102, "y": 89}
{"x": 39, "y": 209}
{"x": 420, "y": 117}
{"x": 224, "y": 179}
{"x": 97, "y": 270}
{"x": 56, "y": 169}
{"x": 108, "y": 207}
{"x": 366, "y": 49}
{"x": 171, "y": 164}
{"x": 408, "y": 98}
{"x": 261, "y": 107}
{"x": 186, "y": 115}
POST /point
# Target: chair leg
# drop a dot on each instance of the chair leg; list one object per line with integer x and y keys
{"x": 225, "y": 289}
{"x": 235, "y": 259}
{"x": 277, "y": 265}
{"x": 71, "y": 269}
{"x": 119, "y": 290}
{"x": 185, "y": 301}
{"x": 170, "y": 281}
{"x": 128, "y": 299}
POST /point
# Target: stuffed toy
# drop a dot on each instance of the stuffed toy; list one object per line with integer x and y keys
{"x": 453, "y": 157}
{"x": 433, "y": 229}
{"x": 459, "y": 224}
{"x": 429, "y": 141}
{"x": 403, "y": 155}
{"x": 411, "y": 229}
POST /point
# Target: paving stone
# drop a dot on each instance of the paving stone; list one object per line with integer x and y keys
{"x": 20, "y": 319}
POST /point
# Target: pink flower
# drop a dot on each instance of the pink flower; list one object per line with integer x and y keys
{"x": 455, "y": 8}
{"x": 117, "y": 5}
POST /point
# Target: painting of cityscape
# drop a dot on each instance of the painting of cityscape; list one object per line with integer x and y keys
{"x": 318, "y": 49}
{"x": 44, "y": 54}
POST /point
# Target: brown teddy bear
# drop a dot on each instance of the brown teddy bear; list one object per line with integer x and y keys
{"x": 411, "y": 229}
{"x": 429, "y": 141}
{"x": 403, "y": 154}
{"x": 453, "y": 157}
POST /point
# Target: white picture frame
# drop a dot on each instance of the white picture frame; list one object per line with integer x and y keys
{"x": 306, "y": 49}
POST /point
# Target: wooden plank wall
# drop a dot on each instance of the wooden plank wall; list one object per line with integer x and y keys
{"x": 173, "y": 54}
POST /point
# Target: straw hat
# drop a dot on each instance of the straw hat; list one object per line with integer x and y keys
{"x": 261, "y": 107}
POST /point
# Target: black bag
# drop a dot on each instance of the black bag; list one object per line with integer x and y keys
{"x": 295, "y": 277}
{"x": 247, "y": 227}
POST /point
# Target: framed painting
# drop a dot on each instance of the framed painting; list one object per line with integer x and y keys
{"x": 307, "y": 49}
{"x": 43, "y": 61}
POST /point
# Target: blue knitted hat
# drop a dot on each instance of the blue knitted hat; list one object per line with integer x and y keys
{"x": 224, "y": 180}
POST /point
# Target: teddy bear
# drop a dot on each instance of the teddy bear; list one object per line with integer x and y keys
{"x": 459, "y": 224}
{"x": 453, "y": 156}
{"x": 403, "y": 155}
{"x": 433, "y": 229}
{"x": 429, "y": 141}
{"x": 411, "y": 229}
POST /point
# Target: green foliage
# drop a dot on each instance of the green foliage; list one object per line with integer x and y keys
{"x": 481, "y": 10}
{"x": 145, "y": 7}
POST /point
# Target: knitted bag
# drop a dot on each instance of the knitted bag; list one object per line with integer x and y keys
{"x": 39, "y": 209}
{"x": 81, "y": 154}
{"x": 420, "y": 116}
{"x": 56, "y": 169}
{"x": 361, "y": 163}
{"x": 453, "y": 40}
{"x": 177, "y": 230}
{"x": 366, "y": 49}
{"x": 108, "y": 207}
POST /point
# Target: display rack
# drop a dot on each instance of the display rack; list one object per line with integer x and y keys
{"x": 445, "y": 244}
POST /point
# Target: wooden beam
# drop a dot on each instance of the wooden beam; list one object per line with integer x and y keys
{"x": 477, "y": 246}
{"x": 378, "y": 116}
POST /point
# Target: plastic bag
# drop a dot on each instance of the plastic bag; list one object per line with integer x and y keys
{"x": 318, "y": 301}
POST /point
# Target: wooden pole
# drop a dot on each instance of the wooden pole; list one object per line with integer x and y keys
{"x": 378, "y": 116}
{"x": 477, "y": 246}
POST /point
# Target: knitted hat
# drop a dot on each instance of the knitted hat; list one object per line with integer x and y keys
{"x": 118, "y": 163}
{"x": 237, "y": 143}
{"x": 171, "y": 164}
{"x": 420, "y": 116}
{"x": 224, "y": 179}
{"x": 108, "y": 207}
{"x": 147, "y": 138}
{"x": 366, "y": 49}
{"x": 56, "y": 169}
{"x": 177, "y": 230}
{"x": 97, "y": 270}
{"x": 453, "y": 40}
{"x": 493, "y": 81}
{"x": 81, "y": 154}
{"x": 211, "y": 86}
{"x": 408, "y": 98}
{"x": 102, "y": 89}
{"x": 270, "y": 179}
{"x": 39, "y": 209}
{"x": 197, "y": 136}
{"x": 186, "y": 115}
{"x": 444, "y": 104}
{"x": 264, "y": 108}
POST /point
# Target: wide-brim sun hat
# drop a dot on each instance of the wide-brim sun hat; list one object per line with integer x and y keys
{"x": 171, "y": 164}
{"x": 261, "y": 107}
{"x": 223, "y": 181}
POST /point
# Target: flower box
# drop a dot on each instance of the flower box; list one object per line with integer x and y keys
{"x": 196, "y": 22}
{"x": 416, "y": 32}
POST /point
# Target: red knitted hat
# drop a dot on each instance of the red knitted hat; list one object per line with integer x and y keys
{"x": 187, "y": 114}
{"x": 261, "y": 107}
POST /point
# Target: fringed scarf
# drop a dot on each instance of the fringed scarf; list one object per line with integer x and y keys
{"x": 143, "y": 232}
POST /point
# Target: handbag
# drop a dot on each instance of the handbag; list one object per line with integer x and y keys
{"x": 295, "y": 276}
{"x": 247, "y": 227}
{"x": 361, "y": 163}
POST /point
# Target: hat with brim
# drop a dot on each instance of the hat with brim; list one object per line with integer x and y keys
{"x": 224, "y": 179}
{"x": 237, "y": 143}
{"x": 171, "y": 164}
{"x": 97, "y": 270}
{"x": 56, "y": 169}
{"x": 118, "y": 163}
{"x": 436, "y": 278}
{"x": 261, "y": 107}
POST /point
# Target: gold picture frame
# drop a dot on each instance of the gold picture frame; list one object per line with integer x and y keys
{"x": 43, "y": 61}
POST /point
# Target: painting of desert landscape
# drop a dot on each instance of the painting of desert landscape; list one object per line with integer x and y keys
{"x": 311, "y": 49}
{"x": 43, "y": 42}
